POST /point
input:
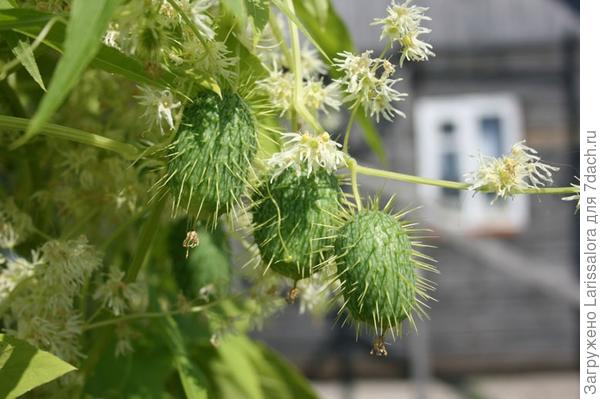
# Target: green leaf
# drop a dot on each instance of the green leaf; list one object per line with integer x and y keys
{"x": 22, "y": 18}
{"x": 250, "y": 68}
{"x": 300, "y": 25}
{"x": 88, "y": 22}
{"x": 235, "y": 8}
{"x": 259, "y": 11}
{"x": 318, "y": 8}
{"x": 193, "y": 381}
{"x": 241, "y": 370}
{"x": 22, "y": 50}
{"x": 25, "y": 367}
{"x": 278, "y": 378}
{"x": 334, "y": 37}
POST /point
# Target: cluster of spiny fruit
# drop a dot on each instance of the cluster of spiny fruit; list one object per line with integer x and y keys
{"x": 301, "y": 222}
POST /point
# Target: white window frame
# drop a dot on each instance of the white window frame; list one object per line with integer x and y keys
{"x": 474, "y": 214}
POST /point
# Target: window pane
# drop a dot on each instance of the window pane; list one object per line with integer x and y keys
{"x": 490, "y": 136}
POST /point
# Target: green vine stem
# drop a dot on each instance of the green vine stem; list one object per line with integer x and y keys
{"x": 147, "y": 234}
{"x": 353, "y": 166}
{"x": 148, "y": 315}
{"x": 346, "y": 145}
{"x": 446, "y": 183}
{"x": 127, "y": 151}
{"x": 297, "y": 71}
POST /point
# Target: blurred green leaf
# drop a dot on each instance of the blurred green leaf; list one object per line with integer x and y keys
{"x": 87, "y": 25}
{"x": 334, "y": 37}
{"x": 15, "y": 18}
{"x": 235, "y": 8}
{"x": 259, "y": 11}
{"x": 238, "y": 367}
{"x": 300, "y": 25}
{"x": 319, "y": 9}
{"x": 279, "y": 379}
{"x": 142, "y": 374}
{"x": 24, "y": 367}
{"x": 193, "y": 381}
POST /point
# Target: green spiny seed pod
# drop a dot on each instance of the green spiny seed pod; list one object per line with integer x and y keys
{"x": 294, "y": 218}
{"x": 378, "y": 269}
{"x": 205, "y": 270}
{"x": 210, "y": 159}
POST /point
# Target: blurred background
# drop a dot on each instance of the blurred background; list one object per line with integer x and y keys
{"x": 505, "y": 324}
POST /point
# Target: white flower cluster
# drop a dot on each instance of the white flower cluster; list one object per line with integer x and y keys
{"x": 368, "y": 82}
{"x": 306, "y": 152}
{"x": 315, "y": 94}
{"x": 42, "y": 307}
{"x": 159, "y": 108}
{"x": 15, "y": 225}
{"x": 576, "y": 196}
{"x": 119, "y": 296}
{"x": 314, "y": 294}
{"x": 519, "y": 170}
{"x": 159, "y": 34}
{"x": 403, "y": 25}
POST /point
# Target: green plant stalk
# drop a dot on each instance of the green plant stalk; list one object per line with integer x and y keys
{"x": 449, "y": 184}
{"x": 297, "y": 71}
{"x": 346, "y": 146}
{"x": 279, "y": 37}
{"x": 127, "y": 151}
{"x": 147, "y": 234}
{"x": 148, "y": 315}
{"x": 353, "y": 166}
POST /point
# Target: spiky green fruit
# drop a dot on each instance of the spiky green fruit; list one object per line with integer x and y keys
{"x": 294, "y": 218}
{"x": 377, "y": 269}
{"x": 205, "y": 270}
{"x": 210, "y": 159}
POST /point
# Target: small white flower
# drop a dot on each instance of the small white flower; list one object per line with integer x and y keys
{"x": 307, "y": 152}
{"x": 368, "y": 82}
{"x": 112, "y": 36}
{"x": 401, "y": 20}
{"x": 118, "y": 295}
{"x": 16, "y": 270}
{"x": 319, "y": 97}
{"x": 519, "y": 170}
{"x": 312, "y": 65}
{"x": 414, "y": 49}
{"x": 160, "y": 105}
{"x": 313, "y": 294}
{"x": 211, "y": 58}
{"x": 279, "y": 87}
{"x": 576, "y": 196}
{"x": 403, "y": 25}
{"x": 201, "y": 19}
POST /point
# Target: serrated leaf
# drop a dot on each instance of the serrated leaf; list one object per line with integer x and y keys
{"x": 191, "y": 377}
{"x": 259, "y": 10}
{"x": 88, "y": 22}
{"x": 26, "y": 367}
{"x": 22, "y": 50}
